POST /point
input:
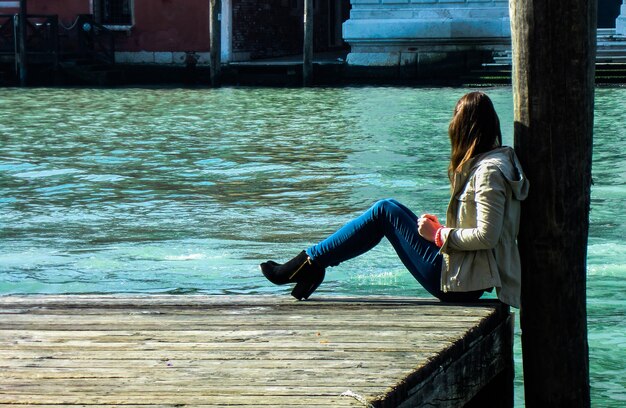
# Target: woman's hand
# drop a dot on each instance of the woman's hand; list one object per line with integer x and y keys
{"x": 427, "y": 226}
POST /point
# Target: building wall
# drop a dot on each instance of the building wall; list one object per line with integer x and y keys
{"x": 265, "y": 29}
{"x": 165, "y": 25}
{"x": 424, "y": 33}
{"x": 380, "y": 32}
{"x": 67, "y": 10}
{"x": 163, "y": 31}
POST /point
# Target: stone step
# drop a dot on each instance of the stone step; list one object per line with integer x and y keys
{"x": 614, "y": 45}
{"x": 611, "y": 65}
{"x": 496, "y": 74}
{"x": 611, "y": 50}
{"x": 496, "y": 67}
{"x": 615, "y": 58}
{"x": 601, "y": 57}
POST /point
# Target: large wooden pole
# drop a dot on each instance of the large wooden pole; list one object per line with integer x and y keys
{"x": 553, "y": 75}
{"x": 21, "y": 43}
{"x": 307, "y": 62}
{"x": 215, "y": 9}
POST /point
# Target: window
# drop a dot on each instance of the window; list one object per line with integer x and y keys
{"x": 114, "y": 12}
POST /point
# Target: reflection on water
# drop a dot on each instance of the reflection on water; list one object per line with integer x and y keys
{"x": 169, "y": 190}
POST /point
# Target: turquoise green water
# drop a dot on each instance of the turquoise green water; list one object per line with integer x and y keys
{"x": 185, "y": 191}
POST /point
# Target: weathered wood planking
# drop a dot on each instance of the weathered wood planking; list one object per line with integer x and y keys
{"x": 166, "y": 351}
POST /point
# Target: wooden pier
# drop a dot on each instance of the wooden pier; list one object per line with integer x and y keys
{"x": 182, "y": 351}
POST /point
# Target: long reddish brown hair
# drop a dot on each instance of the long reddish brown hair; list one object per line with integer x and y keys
{"x": 474, "y": 129}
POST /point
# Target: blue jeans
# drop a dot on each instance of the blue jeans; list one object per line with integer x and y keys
{"x": 390, "y": 219}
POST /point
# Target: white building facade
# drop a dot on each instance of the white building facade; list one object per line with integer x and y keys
{"x": 422, "y": 32}
{"x": 423, "y": 35}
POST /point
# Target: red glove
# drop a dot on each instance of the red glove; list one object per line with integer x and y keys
{"x": 427, "y": 226}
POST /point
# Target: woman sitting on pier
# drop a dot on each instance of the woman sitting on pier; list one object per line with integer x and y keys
{"x": 474, "y": 252}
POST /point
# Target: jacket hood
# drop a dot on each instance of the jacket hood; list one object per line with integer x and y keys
{"x": 506, "y": 160}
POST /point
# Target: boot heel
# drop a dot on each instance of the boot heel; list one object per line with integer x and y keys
{"x": 307, "y": 286}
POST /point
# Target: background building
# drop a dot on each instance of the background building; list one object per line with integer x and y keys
{"x": 412, "y": 37}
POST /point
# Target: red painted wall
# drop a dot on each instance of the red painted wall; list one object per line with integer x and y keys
{"x": 67, "y": 10}
{"x": 168, "y": 25}
{"x": 160, "y": 25}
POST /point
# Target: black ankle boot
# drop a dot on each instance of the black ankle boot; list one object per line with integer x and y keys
{"x": 301, "y": 269}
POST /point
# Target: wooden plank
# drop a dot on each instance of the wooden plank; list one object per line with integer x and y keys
{"x": 139, "y": 302}
{"x": 479, "y": 362}
{"x": 202, "y": 405}
{"x": 199, "y": 405}
{"x": 254, "y": 400}
{"x": 212, "y": 350}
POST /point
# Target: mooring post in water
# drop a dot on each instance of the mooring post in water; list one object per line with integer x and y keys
{"x": 553, "y": 83}
{"x": 215, "y": 10}
{"x": 307, "y": 61}
{"x": 21, "y": 43}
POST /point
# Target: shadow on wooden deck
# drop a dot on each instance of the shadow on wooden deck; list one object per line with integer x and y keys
{"x": 167, "y": 351}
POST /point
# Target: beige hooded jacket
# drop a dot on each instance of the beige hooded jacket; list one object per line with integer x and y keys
{"x": 480, "y": 241}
